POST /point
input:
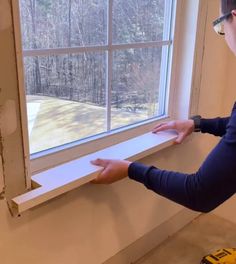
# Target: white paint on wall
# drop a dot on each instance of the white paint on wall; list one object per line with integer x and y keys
{"x": 5, "y": 15}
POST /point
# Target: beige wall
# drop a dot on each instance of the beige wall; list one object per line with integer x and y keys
{"x": 93, "y": 223}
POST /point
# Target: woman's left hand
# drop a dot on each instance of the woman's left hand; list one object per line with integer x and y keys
{"x": 113, "y": 170}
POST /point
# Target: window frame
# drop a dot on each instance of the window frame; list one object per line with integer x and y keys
{"x": 185, "y": 79}
{"x": 61, "y": 154}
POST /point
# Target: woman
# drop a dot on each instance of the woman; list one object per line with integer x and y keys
{"x": 215, "y": 181}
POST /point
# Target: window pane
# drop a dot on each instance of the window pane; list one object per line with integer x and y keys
{"x": 135, "y": 87}
{"x": 66, "y": 94}
{"x": 65, "y": 98}
{"x": 138, "y": 20}
{"x": 64, "y": 23}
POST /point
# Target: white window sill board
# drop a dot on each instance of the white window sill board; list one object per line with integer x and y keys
{"x": 68, "y": 176}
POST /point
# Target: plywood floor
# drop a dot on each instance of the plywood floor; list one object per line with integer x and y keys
{"x": 204, "y": 235}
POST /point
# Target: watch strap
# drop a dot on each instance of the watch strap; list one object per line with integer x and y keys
{"x": 197, "y": 122}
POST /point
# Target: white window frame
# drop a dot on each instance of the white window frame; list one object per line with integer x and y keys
{"x": 183, "y": 100}
{"x": 61, "y": 154}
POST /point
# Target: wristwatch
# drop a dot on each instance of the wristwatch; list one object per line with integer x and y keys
{"x": 197, "y": 122}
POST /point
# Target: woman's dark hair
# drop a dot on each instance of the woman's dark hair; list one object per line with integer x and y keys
{"x": 227, "y": 6}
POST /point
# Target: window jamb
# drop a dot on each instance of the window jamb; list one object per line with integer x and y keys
{"x": 166, "y": 58}
{"x": 109, "y": 63}
{"x": 21, "y": 90}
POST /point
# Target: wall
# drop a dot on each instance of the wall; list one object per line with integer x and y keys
{"x": 91, "y": 224}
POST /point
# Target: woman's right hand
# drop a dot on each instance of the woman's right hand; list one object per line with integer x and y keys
{"x": 182, "y": 127}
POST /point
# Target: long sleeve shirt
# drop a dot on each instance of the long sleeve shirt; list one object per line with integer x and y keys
{"x": 211, "y": 185}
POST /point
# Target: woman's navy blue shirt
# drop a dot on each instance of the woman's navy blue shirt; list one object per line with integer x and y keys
{"x": 212, "y": 184}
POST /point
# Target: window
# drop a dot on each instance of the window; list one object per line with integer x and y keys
{"x": 93, "y": 67}
{"x": 54, "y": 171}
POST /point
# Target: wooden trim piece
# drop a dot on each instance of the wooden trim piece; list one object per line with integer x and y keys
{"x": 12, "y": 144}
{"x": 21, "y": 86}
{"x": 73, "y": 174}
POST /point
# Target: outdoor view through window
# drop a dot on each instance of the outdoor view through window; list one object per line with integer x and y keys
{"x": 92, "y": 66}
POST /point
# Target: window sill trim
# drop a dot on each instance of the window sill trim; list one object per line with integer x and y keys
{"x": 63, "y": 178}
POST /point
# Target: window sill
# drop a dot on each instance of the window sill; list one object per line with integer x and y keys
{"x": 63, "y": 178}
